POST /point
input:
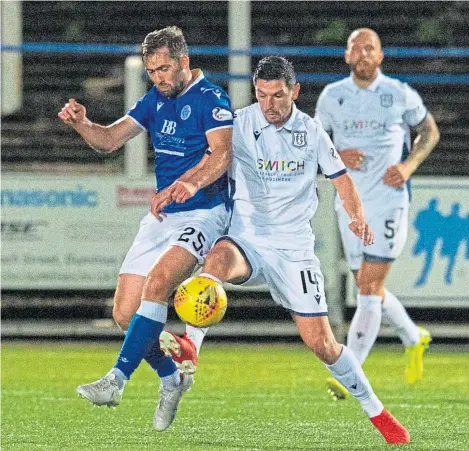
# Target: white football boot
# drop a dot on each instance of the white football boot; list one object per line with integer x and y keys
{"x": 103, "y": 392}
{"x": 169, "y": 400}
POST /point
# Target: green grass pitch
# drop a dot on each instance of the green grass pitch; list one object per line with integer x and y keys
{"x": 246, "y": 397}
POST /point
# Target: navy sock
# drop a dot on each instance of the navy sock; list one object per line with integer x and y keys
{"x": 161, "y": 363}
{"x": 142, "y": 334}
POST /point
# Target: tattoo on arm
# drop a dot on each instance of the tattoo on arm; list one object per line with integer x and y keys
{"x": 427, "y": 138}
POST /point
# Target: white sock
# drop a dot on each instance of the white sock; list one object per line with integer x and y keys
{"x": 196, "y": 334}
{"x": 172, "y": 381}
{"x": 153, "y": 310}
{"x": 209, "y": 276}
{"x": 365, "y": 325}
{"x": 348, "y": 371}
{"x": 396, "y": 316}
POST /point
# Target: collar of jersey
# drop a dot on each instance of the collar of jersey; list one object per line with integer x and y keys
{"x": 198, "y": 75}
{"x": 373, "y": 87}
{"x": 287, "y": 126}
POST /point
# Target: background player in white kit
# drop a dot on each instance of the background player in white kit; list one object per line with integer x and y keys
{"x": 276, "y": 153}
{"x": 185, "y": 115}
{"x": 369, "y": 117}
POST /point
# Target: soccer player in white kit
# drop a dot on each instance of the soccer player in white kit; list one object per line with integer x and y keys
{"x": 187, "y": 118}
{"x": 276, "y": 153}
{"x": 369, "y": 117}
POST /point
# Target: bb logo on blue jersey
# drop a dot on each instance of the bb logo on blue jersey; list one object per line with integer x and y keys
{"x": 169, "y": 127}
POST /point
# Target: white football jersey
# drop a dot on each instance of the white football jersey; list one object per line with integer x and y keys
{"x": 274, "y": 173}
{"x": 377, "y": 121}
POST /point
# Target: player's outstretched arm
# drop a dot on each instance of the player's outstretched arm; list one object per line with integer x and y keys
{"x": 354, "y": 208}
{"x": 426, "y": 140}
{"x": 220, "y": 142}
{"x": 101, "y": 138}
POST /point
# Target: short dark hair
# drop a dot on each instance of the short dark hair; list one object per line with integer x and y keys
{"x": 275, "y": 67}
{"x": 171, "y": 37}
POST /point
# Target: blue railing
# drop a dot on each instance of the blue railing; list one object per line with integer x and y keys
{"x": 442, "y": 79}
{"x": 397, "y": 52}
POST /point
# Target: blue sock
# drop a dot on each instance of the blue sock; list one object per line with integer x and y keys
{"x": 143, "y": 332}
{"x": 162, "y": 364}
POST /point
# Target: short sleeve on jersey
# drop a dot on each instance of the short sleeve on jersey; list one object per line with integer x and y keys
{"x": 217, "y": 110}
{"x": 328, "y": 158}
{"x": 140, "y": 112}
{"x": 415, "y": 110}
{"x": 321, "y": 113}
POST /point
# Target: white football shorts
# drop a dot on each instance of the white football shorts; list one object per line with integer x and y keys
{"x": 390, "y": 231}
{"x": 293, "y": 276}
{"x": 194, "y": 231}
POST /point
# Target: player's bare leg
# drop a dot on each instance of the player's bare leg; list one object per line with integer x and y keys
{"x": 127, "y": 298}
{"x": 346, "y": 369}
{"x": 226, "y": 262}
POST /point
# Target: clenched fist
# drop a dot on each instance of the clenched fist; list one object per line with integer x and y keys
{"x": 73, "y": 113}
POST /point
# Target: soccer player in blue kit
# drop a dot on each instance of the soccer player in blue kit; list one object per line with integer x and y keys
{"x": 369, "y": 116}
{"x": 188, "y": 118}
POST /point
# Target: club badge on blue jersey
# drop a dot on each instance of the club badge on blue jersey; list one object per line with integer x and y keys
{"x": 185, "y": 112}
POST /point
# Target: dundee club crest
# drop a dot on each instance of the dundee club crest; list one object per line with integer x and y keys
{"x": 299, "y": 139}
{"x": 386, "y": 100}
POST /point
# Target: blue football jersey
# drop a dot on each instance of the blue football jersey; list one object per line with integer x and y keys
{"x": 178, "y": 130}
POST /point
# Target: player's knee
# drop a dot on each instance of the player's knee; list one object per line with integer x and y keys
{"x": 369, "y": 286}
{"x": 218, "y": 256}
{"x": 371, "y": 289}
{"x": 157, "y": 288}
